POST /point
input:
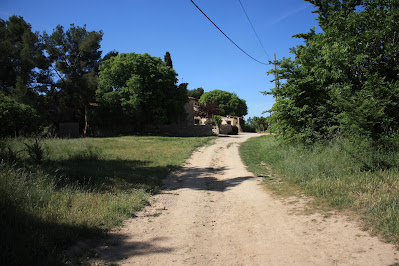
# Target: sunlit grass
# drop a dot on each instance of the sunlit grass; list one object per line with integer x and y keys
{"x": 342, "y": 175}
{"x": 81, "y": 188}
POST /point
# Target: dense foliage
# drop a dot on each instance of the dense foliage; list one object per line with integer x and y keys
{"x": 15, "y": 118}
{"x": 23, "y": 75}
{"x": 74, "y": 54}
{"x": 256, "y": 124}
{"x": 196, "y": 93}
{"x": 228, "y": 103}
{"x": 47, "y": 79}
{"x": 22, "y": 62}
{"x": 168, "y": 60}
{"x": 344, "y": 80}
{"x": 141, "y": 88}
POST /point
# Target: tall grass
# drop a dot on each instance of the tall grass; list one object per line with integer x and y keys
{"x": 344, "y": 174}
{"x": 54, "y": 191}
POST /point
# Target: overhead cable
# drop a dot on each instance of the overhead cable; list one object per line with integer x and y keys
{"x": 226, "y": 35}
{"x": 254, "y": 29}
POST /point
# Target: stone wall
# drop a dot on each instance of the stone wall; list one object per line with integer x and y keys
{"x": 174, "y": 130}
{"x": 181, "y": 130}
{"x": 226, "y": 129}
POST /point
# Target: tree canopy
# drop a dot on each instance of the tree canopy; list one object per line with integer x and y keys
{"x": 47, "y": 79}
{"x": 109, "y": 55}
{"x": 16, "y": 118}
{"x": 228, "y": 103}
{"x": 344, "y": 80}
{"x": 54, "y": 78}
{"x": 168, "y": 60}
{"x": 196, "y": 93}
{"x": 74, "y": 54}
{"x": 142, "y": 88}
{"x": 23, "y": 64}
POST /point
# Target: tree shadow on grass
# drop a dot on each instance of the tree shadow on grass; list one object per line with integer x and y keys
{"x": 113, "y": 175}
{"x": 28, "y": 240}
{"x": 104, "y": 175}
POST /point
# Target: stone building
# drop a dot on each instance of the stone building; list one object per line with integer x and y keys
{"x": 227, "y": 121}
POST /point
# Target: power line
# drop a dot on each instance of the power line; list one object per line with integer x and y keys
{"x": 254, "y": 29}
{"x": 226, "y": 35}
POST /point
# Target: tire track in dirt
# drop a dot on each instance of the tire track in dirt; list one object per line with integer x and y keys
{"x": 214, "y": 212}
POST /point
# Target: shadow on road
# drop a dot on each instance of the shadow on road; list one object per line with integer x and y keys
{"x": 122, "y": 248}
{"x": 203, "y": 179}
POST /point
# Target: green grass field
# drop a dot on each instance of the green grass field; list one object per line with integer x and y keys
{"x": 342, "y": 175}
{"x": 56, "y": 191}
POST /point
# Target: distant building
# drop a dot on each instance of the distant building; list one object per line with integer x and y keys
{"x": 192, "y": 107}
{"x": 233, "y": 121}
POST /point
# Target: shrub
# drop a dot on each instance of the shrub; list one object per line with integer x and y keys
{"x": 36, "y": 151}
{"x": 16, "y": 118}
{"x": 234, "y": 130}
{"x": 7, "y": 154}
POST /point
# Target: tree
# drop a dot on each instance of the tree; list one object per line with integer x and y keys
{"x": 261, "y": 123}
{"x": 75, "y": 56}
{"x": 16, "y": 118}
{"x": 196, "y": 93}
{"x": 168, "y": 60}
{"x": 228, "y": 103}
{"x": 249, "y": 125}
{"x": 218, "y": 121}
{"x": 23, "y": 66}
{"x": 141, "y": 89}
{"x": 344, "y": 80}
{"x": 109, "y": 55}
{"x": 207, "y": 110}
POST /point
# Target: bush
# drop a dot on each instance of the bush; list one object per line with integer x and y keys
{"x": 234, "y": 130}
{"x": 7, "y": 154}
{"x": 249, "y": 128}
{"x": 16, "y": 118}
{"x": 36, "y": 151}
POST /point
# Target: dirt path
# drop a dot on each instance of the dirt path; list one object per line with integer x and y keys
{"x": 214, "y": 212}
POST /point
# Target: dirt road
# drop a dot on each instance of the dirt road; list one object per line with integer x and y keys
{"x": 214, "y": 212}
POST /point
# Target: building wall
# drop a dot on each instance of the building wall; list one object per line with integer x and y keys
{"x": 227, "y": 122}
{"x": 189, "y": 107}
{"x": 234, "y": 121}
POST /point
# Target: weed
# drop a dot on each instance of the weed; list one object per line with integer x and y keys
{"x": 8, "y": 155}
{"x": 230, "y": 144}
{"x": 36, "y": 151}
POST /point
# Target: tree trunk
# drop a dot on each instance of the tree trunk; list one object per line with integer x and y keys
{"x": 85, "y": 127}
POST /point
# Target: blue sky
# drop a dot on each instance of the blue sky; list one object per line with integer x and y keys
{"x": 201, "y": 55}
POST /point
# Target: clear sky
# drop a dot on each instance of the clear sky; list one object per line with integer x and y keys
{"x": 201, "y": 55}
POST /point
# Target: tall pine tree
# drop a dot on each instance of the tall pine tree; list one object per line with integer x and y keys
{"x": 75, "y": 58}
{"x": 168, "y": 60}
